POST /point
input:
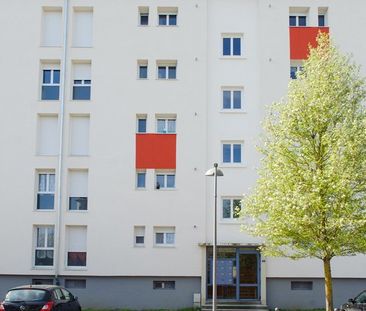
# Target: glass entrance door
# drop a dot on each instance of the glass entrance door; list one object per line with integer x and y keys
{"x": 238, "y": 274}
{"x": 248, "y": 280}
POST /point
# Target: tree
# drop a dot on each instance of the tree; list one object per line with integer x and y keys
{"x": 310, "y": 198}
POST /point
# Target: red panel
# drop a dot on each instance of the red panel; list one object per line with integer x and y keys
{"x": 156, "y": 151}
{"x": 300, "y": 37}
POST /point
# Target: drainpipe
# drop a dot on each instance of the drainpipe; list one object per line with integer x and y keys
{"x": 61, "y": 144}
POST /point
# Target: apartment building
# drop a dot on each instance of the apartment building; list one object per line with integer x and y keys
{"x": 111, "y": 113}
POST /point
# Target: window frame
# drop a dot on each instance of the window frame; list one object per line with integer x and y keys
{"x": 47, "y": 191}
{"x": 45, "y": 248}
{"x": 232, "y": 161}
{"x": 298, "y": 67}
{"x": 232, "y": 91}
{"x": 165, "y": 175}
{"x": 168, "y": 19}
{"x": 166, "y": 121}
{"x": 136, "y": 235}
{"x": 165, "y": 231}
{"x": 138, "y": 172}
{"x": 232, "y": 217}
{"x": 52, "y": 68}
{"x": 163, "y": 287}
{"x": 297, "y": 17}
{"x": 232, "y": 37}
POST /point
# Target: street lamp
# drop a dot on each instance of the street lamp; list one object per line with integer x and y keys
{"x": 214, "y": 172}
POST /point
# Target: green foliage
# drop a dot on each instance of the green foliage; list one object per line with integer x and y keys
{"x": 310, "y": 197}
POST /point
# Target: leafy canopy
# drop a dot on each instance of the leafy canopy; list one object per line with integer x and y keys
{"x": 310, "y": 197}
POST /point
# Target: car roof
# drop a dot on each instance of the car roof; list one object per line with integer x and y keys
{"x": 43, "y": 286}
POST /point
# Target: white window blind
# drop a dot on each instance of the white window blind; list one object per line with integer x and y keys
{"x": 82, "y": 71}
{"x": 83, "y": 28}
{"x": 78, "y": 183}
{"x": 48, "y": 135}
{"x": 79, "y": 138}
{"x": 76, "y": 237}
{"x": 52, "y": 27}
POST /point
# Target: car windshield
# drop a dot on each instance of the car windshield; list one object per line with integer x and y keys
{"x": 25, "y": 295}
{"x": 361, "y": 298}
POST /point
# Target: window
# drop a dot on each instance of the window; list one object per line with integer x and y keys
{"x": 142, "y": 69}
{"x": 165, "y": 180}
{"x": 79, "y": 135}
{"x": 322, "y": 16}
{"x": 81, "y": 81}
{"x": 144, "y": 16}
{"x": 46, "y": 191}
{"x": 42, "y": 281}
{"x": 231, "y": 208}
{"x": 75, "y": 283}
{"x": 44, "y": 246}
{"x": 76, "y": 246}
{"x": 139, "y": 233}
{"x": 231, "y": 99}
{"x": 165, "y": 126}
{"x": 232, "y": 152}
{"x": 167, "y": 70}
{"x": 51, "y": 26}
{"x": 167, "y": 16}
{"x": 301, "y": 285}
{"x": 141, "y": 124}
{"x": 50, "y": 84}
{"x": 321, "y": 20}
{"x": 78, "y": 190}
{"x": 297, "y": 20}
{"x": 82, "y": 35}
{"x": 47, "y": 142}
{"x": 294, "y": 69}
{"x": 141, "y": 179}
{"x": 231, "y": 45}
{"x": 164, "y": 236}
{"x": 163, "y": 284}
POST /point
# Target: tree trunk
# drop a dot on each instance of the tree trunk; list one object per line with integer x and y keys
{"x": 328, "y": 285}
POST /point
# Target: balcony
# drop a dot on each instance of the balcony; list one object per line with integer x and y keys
{"x": 300, "y": 38}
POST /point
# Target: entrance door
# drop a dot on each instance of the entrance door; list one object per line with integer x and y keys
{"x": 248, "y": 280}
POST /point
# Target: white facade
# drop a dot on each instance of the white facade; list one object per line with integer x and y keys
{"x": 106, "y": 48}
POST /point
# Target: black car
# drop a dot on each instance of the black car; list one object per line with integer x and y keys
{"x": 355, "y": 304}
{"x": 39, "y": 297}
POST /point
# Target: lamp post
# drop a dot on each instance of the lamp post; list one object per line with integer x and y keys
{"x": 214, "y": 172}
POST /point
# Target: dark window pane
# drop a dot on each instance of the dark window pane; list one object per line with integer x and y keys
{"x": 237, "y": 153}
{"x": 301, "y": 285}
{"x": 237, "y": 46}
{"x": 321, "y": 20}
{"x": 292, "y": 21}
{"x": 160, "y": 181}
{"x": 143, "y": 72}
{"x": 293, "y": 71}
{"x": 226, "y": 153}
{"x": 76, "y": 259}
{"x": 163, "y": 284}
{"x": 162, "y": 72}
{"x": 44, "y": 258}
{"x": 226, "y": 99}
{"x": 302, "y": 20}
{"x": 141, "y": 179}
{"x": 170, "y": 181}
{"x": 45, "y": 200}
{"x": 81, "y": 93}
{"x": 87, "y": 81}
{"x": 56, "y": 76}
{"x": 226, "y": 42}
{"x": 226, "y": 208}
{"x": 141, "y": 126}
{"x": 159, "y": 238}
{"x": 140, "y": 239}
{"x": 78, "y": 203}
{"x": 78, "y": 81}
{"x": 144, "y": 19}
{"x": 46, "y": 76}
{"x": 42, "y": 281}
{"x": 237, "y": 100}
{"x": 75, "y": 283}
{"x": 172, "y": 20}
{"x": 162, "y": 19}
{"x": 172, "y": 72}
{"x": 236, "y": 208}
{"x": 50, "y": 92}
